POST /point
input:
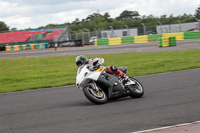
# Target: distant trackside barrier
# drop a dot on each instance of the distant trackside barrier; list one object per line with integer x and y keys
{"x": 167, "y": 41}
{"x": 27, "y": 47}
{"x": 150, "y": 38}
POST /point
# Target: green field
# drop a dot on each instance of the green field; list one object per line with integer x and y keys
{"x": 40, "y": 72}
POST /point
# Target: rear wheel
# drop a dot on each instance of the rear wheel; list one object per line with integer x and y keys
{"x": 137, "y": 90}
{"x": 97, "y": 97}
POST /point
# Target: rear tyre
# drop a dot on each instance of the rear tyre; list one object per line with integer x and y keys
{"x": 94, "y": 96}
{"x": 137, "y": 90}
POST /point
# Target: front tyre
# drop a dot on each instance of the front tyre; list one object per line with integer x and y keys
{"x": 94, "y": 96}
{"x": 137, "y": 90}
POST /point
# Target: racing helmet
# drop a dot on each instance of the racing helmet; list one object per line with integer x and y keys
{"x": 80, "y": 60}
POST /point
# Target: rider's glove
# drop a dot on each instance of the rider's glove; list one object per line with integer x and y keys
{"x": 97, "y": 66}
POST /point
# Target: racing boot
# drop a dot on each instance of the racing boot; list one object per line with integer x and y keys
{"x": 125, "y": 79}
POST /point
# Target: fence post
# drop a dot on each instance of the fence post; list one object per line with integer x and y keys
{"x": 96, "y": 32}
{"x": 179, "y": 25}
{"x": 160, "y": 26}
{"x": 128, "y": 31}
{"x": 111, "y": 34}
{"x": 69, "y": 35}
{"x": 170, "y": 28}
{"x": 88, "y": 36}
{"x": 83, "y": 42}
{"x": 198, "y": 24}
{"x": 76, "y": 35}
{"x": 102, "y": 32}
{"x": 144, "y": 28}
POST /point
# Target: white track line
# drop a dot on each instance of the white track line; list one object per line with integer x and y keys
{"x": 156, "y": 129}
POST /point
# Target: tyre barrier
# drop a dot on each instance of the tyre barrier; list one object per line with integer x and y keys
{"x": 167, "y": 41}
{"x": 26, "y": 47}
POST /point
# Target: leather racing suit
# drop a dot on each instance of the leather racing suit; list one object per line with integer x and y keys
{"x": 94, "y": 63}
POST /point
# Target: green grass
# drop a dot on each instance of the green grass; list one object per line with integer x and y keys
{"x": 40, "y": 72}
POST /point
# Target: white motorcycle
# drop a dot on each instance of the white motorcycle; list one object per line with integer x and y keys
{"x": 99, "y": 86}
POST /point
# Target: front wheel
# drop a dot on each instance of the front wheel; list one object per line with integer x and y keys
{"x": 136, "y": 90}
{"x": 97, "y": 97}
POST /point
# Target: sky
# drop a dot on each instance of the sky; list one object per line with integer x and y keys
{"x": 23, "y": 14}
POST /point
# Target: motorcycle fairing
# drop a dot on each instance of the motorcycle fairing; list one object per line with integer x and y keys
{"x": 111, "y": 84}
{"x": 84, "y": 76}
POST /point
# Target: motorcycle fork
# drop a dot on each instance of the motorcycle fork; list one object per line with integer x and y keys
{"x": 95, "y": 86}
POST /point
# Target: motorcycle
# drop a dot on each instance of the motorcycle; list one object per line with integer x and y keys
{"x": 99, "y": 86}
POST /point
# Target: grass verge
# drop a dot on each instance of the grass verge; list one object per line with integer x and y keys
{"x": 40, "y": 72}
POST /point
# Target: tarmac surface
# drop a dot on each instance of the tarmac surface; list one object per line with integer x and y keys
{"x": 94, "y": 50}
{"x": 170, "y": 98}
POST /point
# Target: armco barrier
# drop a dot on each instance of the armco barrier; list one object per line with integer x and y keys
{"x": 40, "y": 45}
{"x": 154, "y": 38}
{"x": 37, "y": 46}
{"x": 95, "y": 42}
{"x": 21, "y": 47}
{"x": 141, "y": 39}
{"x": 191, "y": 35}
{"x": 179, "y": 36}
{"x": 115, "y": 41}
{"x": 127, "y": 40}
{"x": 147, "y": 38}
{"x": 11, "y": 48}
{"x": 16, "y": 47}
{"x": 32, "y": 46}
{"x": 27, "y": 42}
{"x": 26, "y": 47}
{"x": 7, "y": 48}
{"x": 45, "y": 45}
{"x": 102, "y": 41}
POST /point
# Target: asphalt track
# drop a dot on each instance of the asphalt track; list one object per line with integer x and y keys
{"x": 92, "y": 50}
{"x": 170, "y": 98}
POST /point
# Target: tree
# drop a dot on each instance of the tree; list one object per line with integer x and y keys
{"x": 128, "y": 14}
{"x": 13, "y": 29}
{"x": 94, "y": 15}
{"x": 106, "y": 15}
{"x": 130, "y": 18}
{"x": 76, "y": 21}
{"x": 197, "y": 13}
{"x": 3, "y": 27}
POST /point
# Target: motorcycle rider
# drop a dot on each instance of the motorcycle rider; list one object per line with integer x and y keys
{"x": 95, "y": 63}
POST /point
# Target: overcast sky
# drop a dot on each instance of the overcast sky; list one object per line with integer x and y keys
{"x": 22, "y": 14}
